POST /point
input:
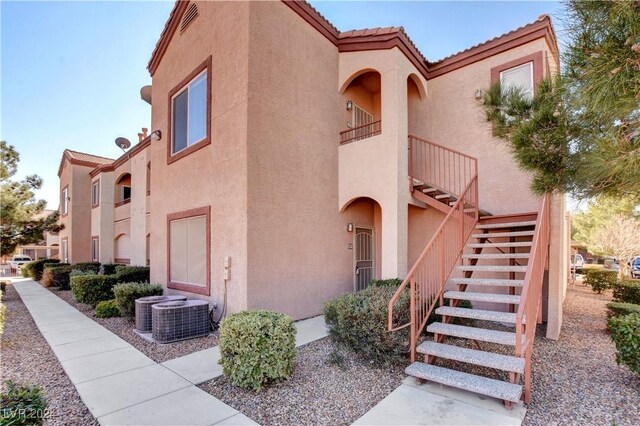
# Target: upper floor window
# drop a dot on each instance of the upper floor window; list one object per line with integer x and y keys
{"x": 64, "y": 202}
{"x": 520, "y": 77}
{"x": 189, "y": 113}
{"x": 123, "y": 189}
{"x": 95, "y": 193}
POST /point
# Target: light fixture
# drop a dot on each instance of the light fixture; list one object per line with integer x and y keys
{"x": 68, "y": 198}
{"x": 350, "y": 227}
{"x": 349, "y": 105}
{"x": 156, "y": 135}
{"x": 479, "y": 94}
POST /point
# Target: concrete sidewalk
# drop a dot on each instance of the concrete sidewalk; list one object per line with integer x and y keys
{"x": 119, "y": 384}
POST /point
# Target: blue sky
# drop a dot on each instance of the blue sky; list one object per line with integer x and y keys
{"x": 71, "y": 71}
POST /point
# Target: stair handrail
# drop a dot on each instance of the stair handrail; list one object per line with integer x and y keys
{"x": 530, "y": 304}
{"x": 440, "y": 167}
{"x": 427, "y": 277}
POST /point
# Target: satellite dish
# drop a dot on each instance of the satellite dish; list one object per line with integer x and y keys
{"x": 123, "y": 143}
{"x": 145, "y": 94}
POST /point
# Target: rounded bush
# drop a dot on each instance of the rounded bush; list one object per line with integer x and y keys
{"x": 627, "y": 291}
{"x": 625, "y": 333}
{"x": 257, "y": 347}
{"x": 57, "y": 276}
{"x": 87, "y": 267}
{"x": 132, "y": 274}
{"x": 107, "y": 309}
{"x": 618, "y": 309}
{"x": 600, "y": 280}
{"x": 127, "y": 293}
{"x": 91, "y": 289}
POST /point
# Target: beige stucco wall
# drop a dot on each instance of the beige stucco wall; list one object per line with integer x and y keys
{"x": 78, "y": 220}
{"x": 102, "y": 217}
{"x": 138, "y": 225}
{"x": 215, "y": 175}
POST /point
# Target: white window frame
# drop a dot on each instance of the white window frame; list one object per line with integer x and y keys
{"x": 95, "y": 249}
{"x": 65, "y": 200}
{"x": 95, "y": 193}
{"x": 173, "y": 127}
{"x": 527, "y": 64}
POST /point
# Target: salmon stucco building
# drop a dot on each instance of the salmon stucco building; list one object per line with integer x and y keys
{"x": 289, "y": 163}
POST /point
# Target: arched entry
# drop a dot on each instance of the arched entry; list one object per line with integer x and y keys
{"x": 121, "y": 249}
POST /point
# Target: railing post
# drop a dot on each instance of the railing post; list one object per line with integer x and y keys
{"x": 412, "y": 306}
{"x": 410, "y": 142}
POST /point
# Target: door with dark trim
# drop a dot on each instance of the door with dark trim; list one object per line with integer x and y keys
{"x": 363, "y": 258}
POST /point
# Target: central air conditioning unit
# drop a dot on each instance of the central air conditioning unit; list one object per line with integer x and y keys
{"x": 173, "y": 321}
{"x": 143, "y": 310}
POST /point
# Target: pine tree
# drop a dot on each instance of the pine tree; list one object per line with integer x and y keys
{"x": 580, "y": 133}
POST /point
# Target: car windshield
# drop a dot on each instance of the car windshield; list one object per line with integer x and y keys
{"x": 21, "y": 258}
{"x": 636, "y": 262}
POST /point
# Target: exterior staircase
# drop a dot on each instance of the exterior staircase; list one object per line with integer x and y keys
{"x": 500, "y": 259}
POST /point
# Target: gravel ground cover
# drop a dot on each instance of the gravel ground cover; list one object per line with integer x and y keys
{"x": 27, "y": 358}
{"x": 124, "y": 328}
{"x": 320, "y": 392}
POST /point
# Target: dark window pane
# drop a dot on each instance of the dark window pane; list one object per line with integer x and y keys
{"x": 126, "y": 193}
{"x": 180, "y": 108}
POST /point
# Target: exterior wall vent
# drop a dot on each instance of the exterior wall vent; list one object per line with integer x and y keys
{"x": 189, "y": 15}
{"x": 173, "y": 321}
{"x": 143, "y": 310}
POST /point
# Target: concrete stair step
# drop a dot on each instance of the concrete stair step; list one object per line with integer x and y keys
{"x": 474, "y": 333}
{"x": 478, "y": 314}
{"x": 504, "y": 234}
{"x": 496, "y": 256}
{"x": 512, "y": 299}
{"x": 472, "y": 356}
{"x": 504, "y": 244}
{"x": 488, "y": 281}
{"x": 492, "y": 268}
{"x": 457, "y": 379}
{"x": 506, "y": 225}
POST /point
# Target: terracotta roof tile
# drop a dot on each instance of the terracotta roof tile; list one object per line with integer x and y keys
{"x": 90, "y": 158}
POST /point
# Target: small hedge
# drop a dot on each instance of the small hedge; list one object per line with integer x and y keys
{"x": 91, "y": 289}
{"x": 618, "y": 309}
{"x": 57, "y": 276}
{"x": 625, "y": 333}
{"x": 359, "y": 321}
{"x": 35, "y": 269}
{"x": 600, "y": 280}
{"x": 132, "y": 274}
{"x": 627, "y": 291}
{"x": 127, "y": 293}
{"x": 87, "y": 267}
{"x": 22, "y": 405}
{"x": 257, "y": 347}
{"x": 109, "y": 268}
{"x": 107, "y": 309}
{"x": 390, "y": 282}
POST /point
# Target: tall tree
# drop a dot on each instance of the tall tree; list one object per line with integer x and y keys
{"x": 19, "y": 223}
{"x": 580, "y": 133}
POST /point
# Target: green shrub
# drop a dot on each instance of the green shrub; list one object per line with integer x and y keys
{"x": 625, "y": 333}
{"x": 27, "y": 270}
{"x": 109, "y": 268}
{"x": 618, "y": 309}
{"x": 36, "y": 268}
{"x": 127, "y": 293}
{"x": 76, "y": 272}
{"x": 22, "y": 405}
{"x": 600, "y": 280}
{"x": 57, "y": 276}
{"x": 88, "y": 267}
{"x": 3, "y": 287}
{"x": 132, "y": 274}
{"x": 47, "y": 274}
{"x": 91, "y": 289}
{"x": 627, "y": 291}
{"x": 389, "y": 282}
{"x": 2, "y": 311}
{"x": 359, "y": 321}
{"x": 107, "y": 309}
{"x": 257, "y": 347}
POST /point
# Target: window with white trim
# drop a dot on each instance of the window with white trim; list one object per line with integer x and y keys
{"x": 520, "y": 77}
{"x": 95, "y": 249}
{"x": 188, "y": 250}
{"x": 95, "y": 193}
{"x": 65, "y": 200}
{"x": 189, "y": 114}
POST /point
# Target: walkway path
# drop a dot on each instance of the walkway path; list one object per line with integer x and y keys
{"x": 118, "y": 383}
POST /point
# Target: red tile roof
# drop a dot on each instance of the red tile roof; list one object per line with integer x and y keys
{"x": 89, "y": 158}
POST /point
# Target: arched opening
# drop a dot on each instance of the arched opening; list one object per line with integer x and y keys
{"x": 363, "y": 107}
{"x": 415, "y": 94}
{"x": 364, "y": 216}
{"x": 123, "y": 189}
{"x": 121, "y": 249}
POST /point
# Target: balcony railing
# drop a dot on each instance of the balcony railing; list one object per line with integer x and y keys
{"x": 361, "y": 132}
{"x": 123, "y": 202}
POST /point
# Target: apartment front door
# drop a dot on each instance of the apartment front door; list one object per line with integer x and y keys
{"x": 363, "y": 258}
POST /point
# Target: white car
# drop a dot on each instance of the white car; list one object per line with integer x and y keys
{"x": 17, "y": 261}
{"x": 577, "y": 262}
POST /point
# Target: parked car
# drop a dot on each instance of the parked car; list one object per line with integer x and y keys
{"x": 17, "y": 261}
{"x": 577, "y": 262}
{"x": 635, "y": 267}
